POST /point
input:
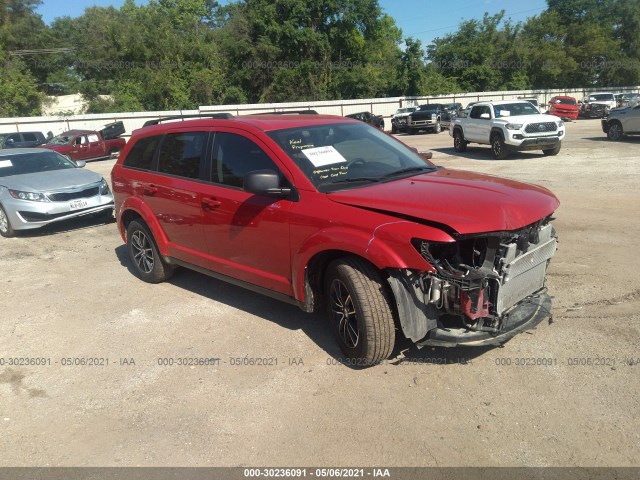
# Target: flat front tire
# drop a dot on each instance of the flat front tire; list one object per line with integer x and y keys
{"x": 359, "y": 311}
{"x": 6, "y": 230}
{"x": 148, "y": 264}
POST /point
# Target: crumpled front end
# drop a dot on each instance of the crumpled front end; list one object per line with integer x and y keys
{"x": 484, "y": 288}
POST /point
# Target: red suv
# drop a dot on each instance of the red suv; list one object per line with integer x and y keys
{"x": 328, "y": 212}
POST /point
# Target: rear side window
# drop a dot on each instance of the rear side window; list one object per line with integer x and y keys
{"x": 29, "y": 137}
{"x": 181, "y": 154}
{"x": 141, "y": 154}
{"x": 234, "y": 156}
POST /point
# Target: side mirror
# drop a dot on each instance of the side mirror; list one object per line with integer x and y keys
{"x": 80, "y": 163}
{"x": 485, "y": 116}
{"x": 265, "y": 182}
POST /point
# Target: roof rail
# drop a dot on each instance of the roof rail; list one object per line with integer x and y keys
{"x": 182, "y": 117}
{"x": 290, "y": 112}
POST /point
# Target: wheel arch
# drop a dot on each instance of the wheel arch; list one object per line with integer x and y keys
{"x": 135, "y": 209}
{"x": 496, "y": 131}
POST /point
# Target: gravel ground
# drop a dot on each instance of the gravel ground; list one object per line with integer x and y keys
{"x": 67, "y": 293}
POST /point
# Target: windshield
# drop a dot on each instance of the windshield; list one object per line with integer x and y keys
{"x": 33, "y": 162}
{"x": 60, "y": 140}
{"x": 406, "y": 110}
{"x": 515, "y": 109}
{"x": 347, "y": 155}
{"x": 603, "y": 96}
{"x": 429, "y": 108}
{"x": 566, "y": 101}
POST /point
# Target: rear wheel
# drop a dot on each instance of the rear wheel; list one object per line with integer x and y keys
{"x": 550, "y": 152}
{"x": 615, "y": 131}
{"x": 6, "y": 230}
{"x": 500, "y": 150}
{"x": 359, "y": 311}
{"x": 459, "y": 143}
{"x": 148, "y": 265}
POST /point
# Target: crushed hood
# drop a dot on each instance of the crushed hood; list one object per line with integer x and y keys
{"x": 463, "y": 201}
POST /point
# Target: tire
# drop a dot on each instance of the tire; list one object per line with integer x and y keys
{"x": 394, "y": 129}
{"x": 499, "y": 148}
{"x": 437, "y": 128}
{"x": 6, "y": 230}
{"x": 411, "y": 131}
{"x": 359, "y": 311}
{"x": 551, "y": 152}
{"x": 114, "y": 152}
{"x": 148, "y": 265}
{"x": 615, "y": 132}
{"x": 459, "y": 143}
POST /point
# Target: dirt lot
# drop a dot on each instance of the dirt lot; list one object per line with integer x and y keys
{"x": 67, "y": 293}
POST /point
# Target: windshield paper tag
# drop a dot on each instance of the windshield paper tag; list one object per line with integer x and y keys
{"x": 321, "y": 156}
{"x": 5, "y": 164}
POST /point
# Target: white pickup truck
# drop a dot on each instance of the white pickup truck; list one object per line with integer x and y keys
{"x": 508, "y": 126}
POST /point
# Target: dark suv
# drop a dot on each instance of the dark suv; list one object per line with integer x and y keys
{"x": 325, "y": 212}
{"x": 21, "y": 139}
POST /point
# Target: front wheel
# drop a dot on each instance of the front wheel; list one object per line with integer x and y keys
{"x": 359, "y": 311}
{"x": 550, "y": 152}
{"x": 615, "y": 131}
{"x": 6, "y": 230}
{"x": 394, "y": 129}
{"x": 148, "y": 265}
{"x": 500, "y": 150}
{"x": 437, "y": 128}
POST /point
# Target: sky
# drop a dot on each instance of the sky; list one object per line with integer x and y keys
{"x": 421, "y": 19}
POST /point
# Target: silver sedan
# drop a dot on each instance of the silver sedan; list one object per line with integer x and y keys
{"x": 39, "y": 186}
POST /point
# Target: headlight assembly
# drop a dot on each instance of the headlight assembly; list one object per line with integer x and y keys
{"x": 30, "y": 196}
{"x": 104, "y": 187}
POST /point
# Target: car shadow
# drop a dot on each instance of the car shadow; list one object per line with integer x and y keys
{"x": 287, "y": 316}
{"x": 486, "y": 154}
{"x": 410, "y": 354}
{"x": 314, "y": 325}
{"x": 80, "y": 223}
{"x": 625, "y": 139}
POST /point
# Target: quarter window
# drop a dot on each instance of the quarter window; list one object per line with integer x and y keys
{"x": 235, "y": 156}
{"x": 141, "y": 154}
{"x": 181, "y": 154}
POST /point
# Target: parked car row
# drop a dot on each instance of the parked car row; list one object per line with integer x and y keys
{"x": 355, "y": 223}
{"x": 74, "y": 144}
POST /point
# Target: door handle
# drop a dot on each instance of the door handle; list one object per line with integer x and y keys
{"x": 150, "y": 190}
{"x": 210, "y": 203}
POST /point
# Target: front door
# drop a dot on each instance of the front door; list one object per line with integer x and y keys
{"x": 247, "y": 234}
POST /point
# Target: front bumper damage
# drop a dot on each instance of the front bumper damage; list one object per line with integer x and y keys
{"x": 484, "y": 290}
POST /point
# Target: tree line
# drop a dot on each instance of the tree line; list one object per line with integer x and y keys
{"x": 180, "y": 54}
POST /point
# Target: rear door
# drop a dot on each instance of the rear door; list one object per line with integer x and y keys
{"x": 247, "y": 235}
{"x": 174, "y": 193}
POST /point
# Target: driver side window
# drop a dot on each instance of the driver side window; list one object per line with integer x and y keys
{"x": 234, "y": 156}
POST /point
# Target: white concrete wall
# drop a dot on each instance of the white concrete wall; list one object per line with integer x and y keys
{"x": 378, "y": 106}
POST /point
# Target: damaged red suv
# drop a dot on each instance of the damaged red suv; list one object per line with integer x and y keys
{"x": 329, "y": 213}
